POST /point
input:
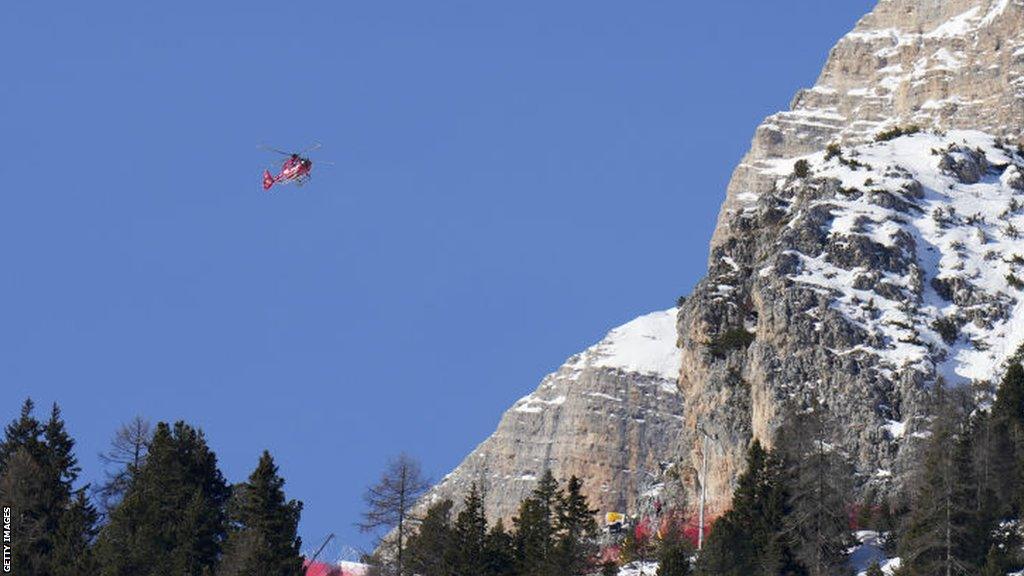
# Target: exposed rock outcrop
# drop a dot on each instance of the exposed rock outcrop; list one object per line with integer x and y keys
{"x": 886, "y": 267}
{"x": 610, "y": 415}
{"x": 930, "y": 64}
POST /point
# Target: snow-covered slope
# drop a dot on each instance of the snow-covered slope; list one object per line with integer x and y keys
{"x": 610, "y": 415}
{"x": 952, "y": 203}
{"x": 645, "y": 345}
{"x": 949, "y": 64}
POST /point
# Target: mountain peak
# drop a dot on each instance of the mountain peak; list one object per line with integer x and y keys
{"x": 936, "y": 64}
{"x": 610, "y": 415}
{"x": 645, "y": 345}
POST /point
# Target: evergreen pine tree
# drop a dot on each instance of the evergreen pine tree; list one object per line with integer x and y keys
{"x": 994, "y": 468}
{"x": 189, "y": 556}
{"x": 24, "y": 432}
{"x": 432, "y": 551}
{"x": 577, "y": 531}
{"x": 1003, "y": 473}
{"x": 1009, "y": 403}
{"x": 242, "y": 554}
{"x": 531, "y": 540}
{"x": 72, "y": 552}
{"x": 171, "y": 519}
{"x": 674, "y": 552}
{"x": 21, "y": 489}
{"x": 729, "y": 550}
{"x": 818, "y": 486}
{"x": 748, "y": 539}
{"x": 939, "y": 534}
{"x": 888, "y": 521}
{"x": 499, "y": 552}
{"x": 471, "y": 534}
{"x": 535, "y": 529}
{"x": 260, "y": 514}
{"x": 995, "y": 563}
{"x": 1004, "y": 552}
{"x": 867, "y": 511}
{"x": 38, "y": 469}
{"x": 62, "y": 466}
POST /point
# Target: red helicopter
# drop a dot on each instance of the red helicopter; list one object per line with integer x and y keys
{"x": 295, "y": 168}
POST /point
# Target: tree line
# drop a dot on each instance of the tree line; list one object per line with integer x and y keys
{"x": 554, "y": 533}
{"x": 165, "y": 508}
{"x": 957, "y": 511}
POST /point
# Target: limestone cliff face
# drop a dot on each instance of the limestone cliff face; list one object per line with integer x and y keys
{"x": 935, "y": 63}
{"x": 847, "y": 275}
{"x": 609, "y": 415}
{"x": 857, "y": 282}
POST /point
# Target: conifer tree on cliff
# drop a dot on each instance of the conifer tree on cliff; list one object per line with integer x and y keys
{"x": 819, "y": 488}
{"x": 996, "y": 440}
{"x": 674, "y": 551}
{"x": 939, "y": 532}
{"x": 432, "y": 550}
{"x": 749, "y": 538}
{"x": 262, "y": 526}
{"x": 471, "y": 534}
{"x": 577, "y": 531}
{"x": 535, "y": 527}
{"x": 499, "y": 552}
{"x": 1007, "y": 414}
{"x": 171, "y": 519}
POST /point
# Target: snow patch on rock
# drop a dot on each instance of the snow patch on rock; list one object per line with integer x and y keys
{"x": 646, "y": 345}
{"x": 950, "y": 199}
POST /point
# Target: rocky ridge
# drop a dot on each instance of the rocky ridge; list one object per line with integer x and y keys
{"x": 610, "y": 414}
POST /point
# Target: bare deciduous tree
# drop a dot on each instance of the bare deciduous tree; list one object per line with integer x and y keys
{"x": 127, "y": 452}
{"x": 389, "y": 501}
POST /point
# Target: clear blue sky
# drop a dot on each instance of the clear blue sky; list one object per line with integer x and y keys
{"x": 512, "y": 180}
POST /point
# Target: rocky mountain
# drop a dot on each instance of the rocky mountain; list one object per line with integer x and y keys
{"x": 932, "y": 63}
{"x": 610, "y": 414}
{"x": 856, "y": 261}
{"x": 865, "y": 275}
{"x": 938, "y": 65}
